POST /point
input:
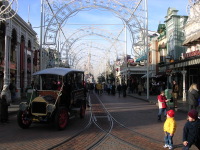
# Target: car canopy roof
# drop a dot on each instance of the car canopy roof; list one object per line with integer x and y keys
{"x": 56, "y": 71}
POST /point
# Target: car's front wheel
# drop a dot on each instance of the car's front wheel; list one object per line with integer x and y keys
{"x": 24, "y": 119}
{"x": 61, "y": 118}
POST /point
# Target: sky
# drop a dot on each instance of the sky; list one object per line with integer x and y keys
{"x": 157, "y": 10}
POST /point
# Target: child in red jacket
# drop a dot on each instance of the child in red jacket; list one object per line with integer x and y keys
{"x": 162, "y": 104}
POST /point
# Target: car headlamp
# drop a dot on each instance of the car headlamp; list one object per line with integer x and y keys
{"x": 50, "y": 108}
{"x": 23, "y": 106}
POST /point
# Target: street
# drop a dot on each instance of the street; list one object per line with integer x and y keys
{"x": 133, "y": 120}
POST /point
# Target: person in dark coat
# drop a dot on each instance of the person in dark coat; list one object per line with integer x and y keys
{"x": 5, "y": 100}
{"x": 113, "y": 89}
{"x": 12, "y": 89}
{"x": 124, "y": 88}
{"x": 191, "y": 131}
{"x": 119, "y": 88}
{"x": 193, "y": 95}
{"x": 175, "y": 89}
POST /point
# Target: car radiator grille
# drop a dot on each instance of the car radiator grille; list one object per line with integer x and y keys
{"x": 39, "y": 107}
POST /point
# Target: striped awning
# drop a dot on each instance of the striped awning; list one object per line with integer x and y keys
{"x": 191, "y": 39}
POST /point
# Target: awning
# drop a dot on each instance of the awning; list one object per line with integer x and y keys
{"x": 144, "y": 57}
{"x": 145, "y": 76}
{"x": 191, "y": 39}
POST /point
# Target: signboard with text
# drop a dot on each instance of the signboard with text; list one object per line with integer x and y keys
{"x": 191, "y": 54}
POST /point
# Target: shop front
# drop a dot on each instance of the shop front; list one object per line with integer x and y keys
{"x": 185, "y": 72}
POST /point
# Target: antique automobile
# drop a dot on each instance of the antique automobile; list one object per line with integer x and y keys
{"x": 56, "y": 95}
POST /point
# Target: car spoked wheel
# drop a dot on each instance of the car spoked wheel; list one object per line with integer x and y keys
{"x": 61, "y": 119}
{"x": 24, "y": 119}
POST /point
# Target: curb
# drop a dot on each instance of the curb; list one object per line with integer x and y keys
{"x": 13, "y": 109}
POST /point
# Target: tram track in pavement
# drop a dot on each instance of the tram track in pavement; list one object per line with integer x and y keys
{"x": 105, "y": 131}
{"x": 91, "y": 135}
{"x": 129, "y": 137}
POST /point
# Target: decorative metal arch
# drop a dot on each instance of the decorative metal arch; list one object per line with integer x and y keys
{"x": 98, "y": 61}
{"x": 82, "y": 32}
{"x": 132, "y": 14}
{"x": 76, "y": 58}
{"x": 92, "y": 44}
{"x": 8, "y": 9}
{"x": 89, "y": 31}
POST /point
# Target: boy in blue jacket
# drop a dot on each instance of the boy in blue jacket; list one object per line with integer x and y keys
{"x": 191, "y": 131}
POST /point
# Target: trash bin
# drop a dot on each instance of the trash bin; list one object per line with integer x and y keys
{"x": 168, "y": 94}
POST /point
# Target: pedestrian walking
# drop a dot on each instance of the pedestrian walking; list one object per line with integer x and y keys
{"x": 140, "y": 89}
{"x": 12, "y": 89}
{"x": 191, "y": 131}
{"x": 5, "y": 100}
{"x": 175, "y": 90}
{"x": 109, "y": 88}
{"x": 193, "y": 95}
{"x": 169, "y": 129}
{"x": 124, "y": 88}
{"x": 119, "y": 88}
{"x": 113, "y": 89}
{"x": 99, "y": 88}
{"x": 162, "y": 104}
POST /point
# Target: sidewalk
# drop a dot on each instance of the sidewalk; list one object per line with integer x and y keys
{"x": 182, "y": 106}
{"x": 14, "y": 106}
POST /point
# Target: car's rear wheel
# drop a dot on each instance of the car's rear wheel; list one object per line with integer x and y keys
{"x": 24, "y": 119}
{"x": 61, "y": 118}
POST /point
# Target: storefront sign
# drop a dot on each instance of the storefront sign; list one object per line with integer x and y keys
{"x": 191, "y": 54}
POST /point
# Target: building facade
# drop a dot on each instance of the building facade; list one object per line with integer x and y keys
{"x": 17, "y": 46}
{"x": 191, "y": 58}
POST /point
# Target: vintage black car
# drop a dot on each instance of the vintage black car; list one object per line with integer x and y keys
{"x": 57, "y": 94}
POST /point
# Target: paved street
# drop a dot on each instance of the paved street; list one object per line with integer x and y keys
{"x": 137, "y": 115}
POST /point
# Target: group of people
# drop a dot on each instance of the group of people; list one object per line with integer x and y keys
{"x": 122, "y": 88}
{"x": 111, "y": 89}
{"x": 191, "y": 130}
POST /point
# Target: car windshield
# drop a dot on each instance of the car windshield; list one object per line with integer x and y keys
{"x": 49, "y": 82}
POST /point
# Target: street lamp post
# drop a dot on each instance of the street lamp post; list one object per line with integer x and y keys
{"x": 167, "y": 60}
{"x": 184, "y": 92}
{"x": 146, "y": 46}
